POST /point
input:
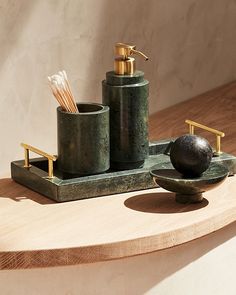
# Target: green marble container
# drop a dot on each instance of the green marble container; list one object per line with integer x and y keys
{"x": 83, "y": 140}
{"x": 127, "y": 97}
{"x": 188, "y": 189}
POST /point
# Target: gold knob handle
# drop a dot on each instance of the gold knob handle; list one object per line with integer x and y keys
{"x": 218, "y": 134}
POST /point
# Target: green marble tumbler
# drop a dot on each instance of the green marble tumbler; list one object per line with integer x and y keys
{"x": 83, "y": 139}
{"x": 127, "y": 98}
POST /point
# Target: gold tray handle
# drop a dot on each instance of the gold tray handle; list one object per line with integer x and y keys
{"x": 50, "y": 158}
{"x": 218, "y": 134}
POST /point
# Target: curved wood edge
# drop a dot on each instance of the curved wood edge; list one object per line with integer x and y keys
{"x": 219, "y": 116}
{"x": 98, "y": 253}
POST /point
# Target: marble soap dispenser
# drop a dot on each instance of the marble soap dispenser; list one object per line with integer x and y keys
{"x": 126, "y": 92}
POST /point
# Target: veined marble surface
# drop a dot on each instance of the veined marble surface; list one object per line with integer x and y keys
{"x": 191, "y": 45}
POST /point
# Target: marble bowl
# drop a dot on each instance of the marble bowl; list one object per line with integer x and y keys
{"x": 188, "y": 190}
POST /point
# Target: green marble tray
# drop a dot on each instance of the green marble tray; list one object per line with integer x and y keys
{"x": 64, "y": 188}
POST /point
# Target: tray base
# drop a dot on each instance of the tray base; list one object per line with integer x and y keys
{"x": 64, "y": 187}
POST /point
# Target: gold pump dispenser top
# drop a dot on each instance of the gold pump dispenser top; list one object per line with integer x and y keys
{"x": 124, "y": 64}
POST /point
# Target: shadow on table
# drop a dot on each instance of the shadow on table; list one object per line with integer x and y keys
{"x": 161, "y": 202}
{"x": 11, "y": 190}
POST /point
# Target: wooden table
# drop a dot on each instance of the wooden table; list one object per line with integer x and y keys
{"x": 35, "y": 232}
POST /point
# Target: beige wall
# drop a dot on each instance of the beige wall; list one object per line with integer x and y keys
{"x": 191, "y": 44}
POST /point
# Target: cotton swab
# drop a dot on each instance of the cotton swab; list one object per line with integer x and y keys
{"x": 61, "y": 90}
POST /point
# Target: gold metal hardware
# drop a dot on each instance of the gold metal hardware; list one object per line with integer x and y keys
{"x": 124, "y": 64}
{"x": 27, "y": 165}
{"x": 50, "y": 158}
{"x": 218, "y": 134}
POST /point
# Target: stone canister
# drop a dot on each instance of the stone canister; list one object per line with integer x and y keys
{"x": 83, "y": 139}
{"x": 126, "y": 92}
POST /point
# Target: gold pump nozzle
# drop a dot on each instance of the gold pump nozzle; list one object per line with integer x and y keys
{"x": 125, "y": 64}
